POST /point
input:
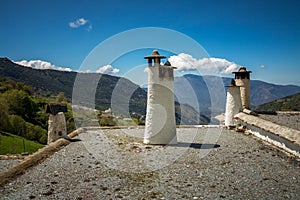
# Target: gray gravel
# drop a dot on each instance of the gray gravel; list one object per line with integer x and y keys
{"x": 289, "y": 119}
{"x": 7, "y": 163}
{"x": 111, "y": 164}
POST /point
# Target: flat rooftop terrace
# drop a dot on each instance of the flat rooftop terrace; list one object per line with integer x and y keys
{"x": 207, "y": 163}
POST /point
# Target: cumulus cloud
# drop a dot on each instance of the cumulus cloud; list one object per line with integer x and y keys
{"x": 108, "y": 69}
{"x": 81, "y": 22}
{"x": 39, "y": 64}
{"x": 186, "y": 62}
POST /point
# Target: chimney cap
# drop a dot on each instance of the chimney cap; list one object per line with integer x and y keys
{"x": 54, "y": 108}
{"x": 154, "y": 54}
{"x": 242, "y": 70}
{"x": 167, "y": 63}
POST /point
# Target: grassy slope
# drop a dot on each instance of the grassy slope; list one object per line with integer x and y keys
{"x": 12, "y": 144}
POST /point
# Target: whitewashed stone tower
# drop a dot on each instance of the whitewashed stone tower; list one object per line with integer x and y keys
{"x": 233, "y": 103}
{"x": 242, "y": 79}
{"x": 160, "y": 118}
{"x": 56, "y": 127}
{"x": 57, "y": 122}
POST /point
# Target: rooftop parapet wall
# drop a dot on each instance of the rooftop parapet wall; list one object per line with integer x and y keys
{"x": 289, "y": 136}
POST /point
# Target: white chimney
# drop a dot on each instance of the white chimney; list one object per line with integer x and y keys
{"x": 160, "y": 119}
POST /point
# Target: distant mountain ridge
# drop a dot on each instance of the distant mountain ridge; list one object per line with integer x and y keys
{"x": 262, "y": 92}
{"x": 45, "y": 82}
{"x": 211, "y": 94}
{"x": 48, "y": 82}
{"x": 197, "y": 94}
{"x": 289, "y": 103}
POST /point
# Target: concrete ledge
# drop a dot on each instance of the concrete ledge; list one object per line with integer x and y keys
{"x": 289, "y": 136}
{"x": 34, "y": 159}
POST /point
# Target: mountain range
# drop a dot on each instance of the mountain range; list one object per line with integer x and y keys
{"x": 51, "y": 82}
{"x": 194, "y": 94}
{"x": 289, "y": 103}
{"x": 209, "y": 92}
{"x": 124, "y": 97}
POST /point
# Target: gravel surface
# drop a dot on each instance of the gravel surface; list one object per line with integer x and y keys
{"x": 289, "y": 119}
{"x": 111, "y": 164}
{"x": 6, "y": 163}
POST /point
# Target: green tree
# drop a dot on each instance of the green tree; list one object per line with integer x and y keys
{"x": 30, "y": 133}
{"x": 3, "y": 116}
{"x": 44, "y": 138}
{"x": 20, "y": 113}
{"x": 6, "y": 84}
{"x": 23, "y": 87}
{"x": 35, "y": 132}
{"x": 61, "y": 97}
{"x": 16, "y": 125}
{"x": 70, "y": 119}
{"x": 42, "y": 118}
{"x": 20, "y": 103}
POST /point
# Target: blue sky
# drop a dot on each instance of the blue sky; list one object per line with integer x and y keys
{"x": 263, "y": 36}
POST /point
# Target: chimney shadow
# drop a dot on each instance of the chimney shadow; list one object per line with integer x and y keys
{"x": 196, "y": 145}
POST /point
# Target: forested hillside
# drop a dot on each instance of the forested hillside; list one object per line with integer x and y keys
{"x": 49, "y": 83}
{"x": 290, "y": 103}
{"x": 23, "y": 114}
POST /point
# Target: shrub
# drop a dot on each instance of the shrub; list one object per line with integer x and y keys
{"x": 16, "y": 125}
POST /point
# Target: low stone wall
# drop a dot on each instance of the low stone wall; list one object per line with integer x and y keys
{"x": 290, "y": 137}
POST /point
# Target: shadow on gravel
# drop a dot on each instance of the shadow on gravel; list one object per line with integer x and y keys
{"x": 196, "y": 145}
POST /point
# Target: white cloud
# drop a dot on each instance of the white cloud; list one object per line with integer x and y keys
{"x": 185, "y": 62}
{"x": 78, "y": 22}
{"x": 90, "y": 27}
{"x": 108, "y": 69}
{"x": 39, "y": 64}
{"x": 81, "y": 22}
{"x": 262, "y": 66}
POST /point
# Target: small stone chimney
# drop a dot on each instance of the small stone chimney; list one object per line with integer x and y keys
{"x": 57, "y": 123}
{"x": 233, "y": 103}
{"x": 160, "y": 125}
{"x": 242, "y": 79}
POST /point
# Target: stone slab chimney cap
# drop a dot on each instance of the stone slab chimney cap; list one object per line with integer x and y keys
{"x": 154, "y": 54}
{"x": 168, "y": 64}
{"x": 54, "y": 108}
{"x": 242, "y": 70}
